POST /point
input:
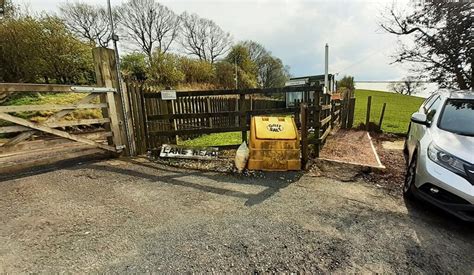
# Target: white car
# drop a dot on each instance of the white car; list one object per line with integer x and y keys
{"x": 439, "y": 150}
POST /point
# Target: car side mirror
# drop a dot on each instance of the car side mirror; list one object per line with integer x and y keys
{"x": 420, "y": 118}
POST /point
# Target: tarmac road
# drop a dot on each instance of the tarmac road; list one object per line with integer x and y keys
{"x": 135, "y": 216}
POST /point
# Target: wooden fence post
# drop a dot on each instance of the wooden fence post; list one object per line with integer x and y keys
{"x": 104, "y": 60}
{"x": 317, "y": 121}
{"x": 333, "y": 109}
{"x": 344, "y": 109}
{"x": 243, "y": 116}
{"x": 350, "y": 112}
{"x": 367, "y": 117}
{"x": 381, "y": 116}
{"x": 304, "y": 135}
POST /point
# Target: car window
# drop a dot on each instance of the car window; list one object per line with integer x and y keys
{"x": 458, "y": 116}
{"x": 428, "y": 102}
{"x": 431, "y": 109}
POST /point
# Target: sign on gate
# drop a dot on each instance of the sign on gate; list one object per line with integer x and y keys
{"x": 168, "y": 95}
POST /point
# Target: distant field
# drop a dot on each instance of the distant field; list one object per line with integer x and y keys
{"x": 397, "y": 113}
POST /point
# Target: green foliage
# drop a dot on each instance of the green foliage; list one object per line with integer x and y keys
{"x": 165, "y": 69}
{"x": 134, "y": 67}
{"x": 270, "y": 70}
{"x": 224, "y": 75}
{"x": 397, "y": 114}
{"x": 42, "y": 50}
{"x": 246, "y": 69}
{"x": 196, "y": 71}
{"x": 346, "y": 82}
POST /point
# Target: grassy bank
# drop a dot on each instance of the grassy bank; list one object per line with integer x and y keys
{"x": 397, "y": 113}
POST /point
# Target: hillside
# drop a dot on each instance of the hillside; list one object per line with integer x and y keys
{"x": 397, "y": 113}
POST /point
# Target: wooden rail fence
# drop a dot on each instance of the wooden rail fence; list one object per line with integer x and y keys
{"x": 195, "y": 113}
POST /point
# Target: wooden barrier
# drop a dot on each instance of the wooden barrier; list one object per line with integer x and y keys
{"x": 195, "y": 113}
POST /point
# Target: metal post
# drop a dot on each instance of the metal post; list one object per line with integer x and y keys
{"x": 326, "y": 69}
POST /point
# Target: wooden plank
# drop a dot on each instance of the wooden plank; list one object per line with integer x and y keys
{"x": 66, "y": 123}
{"x": 70, "y": 154}
{"x": 24, "y": 136}
{"x": 49, "y": 130}
{"x": 224, "y": 114}
{"x": 325, "y": 121}
{"x": 324, "y": 136}
{"x": 234, "y": 92}
{"x": 49, "y": 142}
{"x": 104, "y": 66}
{"x": 199, "y": 131}
{"x": 48, "y": 107}
{"x": 54, "y": 88}
{"x": 316, "y": 118}
{"x": 304, "y": 135}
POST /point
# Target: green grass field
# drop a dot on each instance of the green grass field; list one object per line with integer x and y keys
{"x": 397, "y": 117}
{"x": 397, "y": 113}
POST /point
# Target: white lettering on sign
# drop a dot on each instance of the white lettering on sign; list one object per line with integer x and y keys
{"x": 296, "y": 82}
{"x": 274, "y": 127}
{"x": 173, "y": 151}
{"x": 168, "y": 95}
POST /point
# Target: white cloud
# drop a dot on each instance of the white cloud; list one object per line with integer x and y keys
{"x": 297, "y": 30}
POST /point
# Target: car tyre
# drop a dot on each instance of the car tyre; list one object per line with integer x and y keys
{"x": 410, "y": 178}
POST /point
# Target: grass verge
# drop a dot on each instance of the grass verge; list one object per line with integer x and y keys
{"x": 397, "y": 113}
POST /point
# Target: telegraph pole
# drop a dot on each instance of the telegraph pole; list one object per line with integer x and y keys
{"x": 326, "y": 69}
{"x": 236, "y": 77}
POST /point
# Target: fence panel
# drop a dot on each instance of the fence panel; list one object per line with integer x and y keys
{"x": 195, "y": 113}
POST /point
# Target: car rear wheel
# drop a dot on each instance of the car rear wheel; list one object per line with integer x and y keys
{"x": 410, "y": 178}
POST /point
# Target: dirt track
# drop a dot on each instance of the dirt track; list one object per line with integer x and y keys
{"x": 124, "y": 217}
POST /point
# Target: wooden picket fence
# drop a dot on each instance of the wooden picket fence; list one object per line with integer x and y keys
{"x": 195, "y": 113}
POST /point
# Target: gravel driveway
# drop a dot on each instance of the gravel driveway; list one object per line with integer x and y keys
{"x": 134, "y": 216}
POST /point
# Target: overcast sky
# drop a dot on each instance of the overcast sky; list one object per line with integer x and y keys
{"x": 297, "y": 30}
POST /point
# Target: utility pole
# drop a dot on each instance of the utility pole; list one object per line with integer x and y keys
{"x": 120, "y": 91}
{"x": 236, "y": 76}
{"x": 326, "y": 69}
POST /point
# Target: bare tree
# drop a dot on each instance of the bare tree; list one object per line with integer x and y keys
{"x": 88, "y": 22}
{"x": 442, "y": 42}
{"x": 409, "y": 85}
{"x": 257, "y": 51}
{"x": 149, "y": 24}
{"x": 203, "y": 38}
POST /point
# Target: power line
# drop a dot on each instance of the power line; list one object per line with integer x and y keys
{"x": 365, "y": 58}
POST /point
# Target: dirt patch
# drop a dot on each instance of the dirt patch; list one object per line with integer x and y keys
{"x": 350, "y": 146}
{"x": 391, "y": 178}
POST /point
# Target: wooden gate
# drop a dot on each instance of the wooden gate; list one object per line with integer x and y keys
{"x": 63, "y": 131}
